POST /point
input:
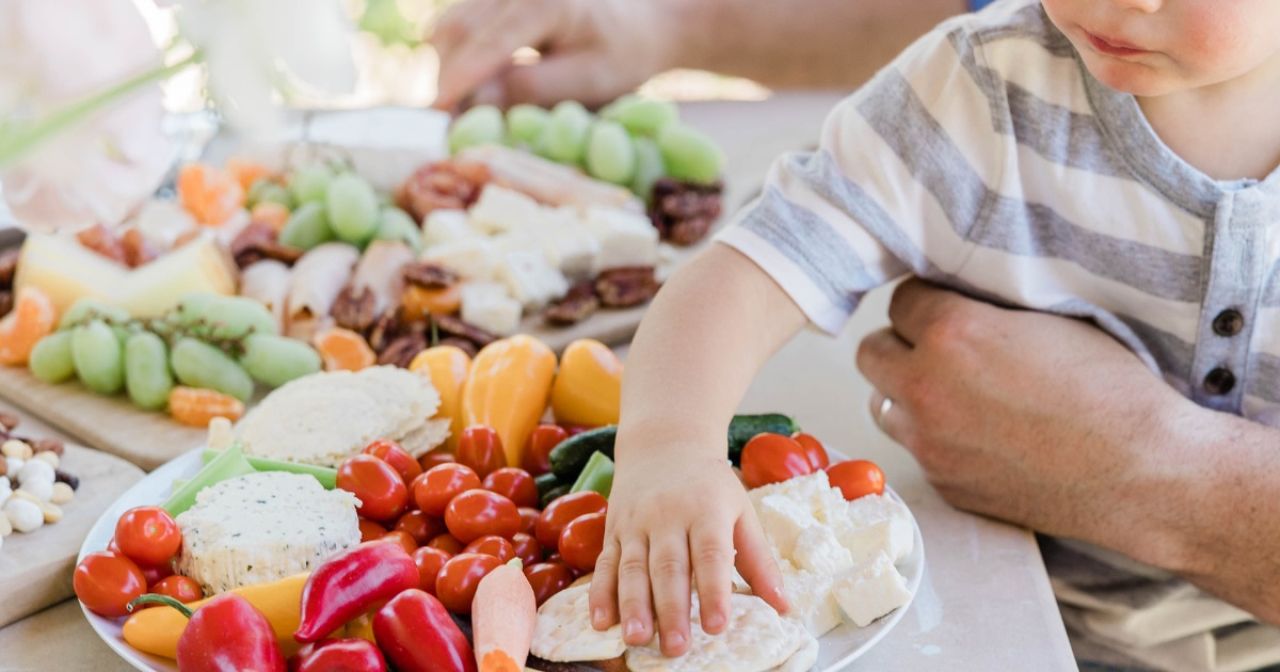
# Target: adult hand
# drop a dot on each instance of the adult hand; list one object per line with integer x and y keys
{"x": 592, "y": 50}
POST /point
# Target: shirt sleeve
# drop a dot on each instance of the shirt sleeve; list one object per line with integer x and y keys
{"x": 898, "y": 179}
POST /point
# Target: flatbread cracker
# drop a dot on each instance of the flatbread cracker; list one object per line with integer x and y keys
{"x": 757, "y": 639}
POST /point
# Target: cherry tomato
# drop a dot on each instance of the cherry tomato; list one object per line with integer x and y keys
{"x": 514, "y": 484}
{"x": 399, "y": 459}
{"x": 447, "y": 543}
{"x": 436, "y": 487}
{"x": 404, "y": 539}
{"x": 383, "y": 495}
{"x": 157, "y": 573}
{"x": 458, "y": 579}
{"x": 480, "y": 448}
{"x": 582, "y": 540}
{"x": 527, "y": 548}
{"x": 106, "y": 583}
{"x": 813, "y": 450}
{"x": 492, "y": 545}
{"x": 370, "y": 530}
{"x": 537, "y": 452}
{"x": 113, "y": 547}
{"x": 574, "y": 430}
{"x": 429, "y": 561}
{"x": 148, "y": 535}
{"x": 476, "y": 513}
{"x": 180, "y": 588}
{"x": 558, "y": 514}
{"x": 773, "y": 458}
{"x": 529, "y": 519}
{"x": 547, "y": 579}
{"x": 435, "y": 458}
{"x": 420, "y": 526}
{"x": 856, "y": 478}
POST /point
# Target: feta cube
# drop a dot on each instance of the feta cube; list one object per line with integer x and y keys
{"x": 473, "y": 258}
{"x": 808, "y": 488}
{"x": 872, "y": 590}
{"x": 500, "y": 210}
{"x": 443, "y": 226}
{"x": 530, "y": 279}
{"x": 568, "y": 241}
{"x": 876, "y": 523}
{"x": 488, "y": 306}
{"x": 625, "y": 238}
{"x": 818, "y": 550}
{"x": 783, "y": 519}
{"x": 811, "y": 599}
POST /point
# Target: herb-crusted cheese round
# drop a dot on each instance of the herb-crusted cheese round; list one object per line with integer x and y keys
{"x": 262, "y": 527}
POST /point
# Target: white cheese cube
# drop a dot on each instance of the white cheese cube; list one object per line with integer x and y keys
{"x": 488, "y": 306}
{"x": 570, "y": 243}
{"x": 783, "y": 519}
{"x": 876, "y": 523}
{"x": 530, "y": 279}
{"x": 811, "y": 600}
{"x": 525, "y": 240}
{"x": 443, "y": 226}
{"x": 500, "y": 210}
{"x": 871, "y": 591}
{"x": 830, "y": 506}
{"x": 625, "y": 238}
{"x": 808, "y": 488}
{"x": 818, "y": 550}
{"x": 473, "y": 258}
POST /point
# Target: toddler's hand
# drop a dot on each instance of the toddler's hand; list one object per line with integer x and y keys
{"x": 669, "y": 518}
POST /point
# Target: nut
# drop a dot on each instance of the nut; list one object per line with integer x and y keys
{"x": 48, "y": 457}
{"x": 624, "y": 287}
{"x": 24, "y": 515}
{"x": 427, "y": 275}
{"x": 9, "y": 265}
{"x": 354, "y": 308}
{"x": 441, "y": 185}
{"x": 137, "y": 249}
{"x": 259, "y": 241}
{"x": 12, "y": 465}
{"x": 6, "y": 302}
{"x": 62, "y": 493}
{"x": 55, "y": 446}
{"x": 61, "y": 476}
{"x": 576, "y": 306}
{"x": 40, "y": 491}
{"x": 683, "y": 212}
{"x": 401, "y": 351}
{"x": 52, "y": 512}
{"x": 36, "y": 470}
{"x": 16, "y": 448}
{"x": 6, "y": 527}
{"x": 9, "y": 421}
{"x": 24, "y": 494}
{"x": 453, "y": 326}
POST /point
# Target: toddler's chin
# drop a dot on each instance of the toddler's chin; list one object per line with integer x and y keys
{"x": 1133, "y": 78}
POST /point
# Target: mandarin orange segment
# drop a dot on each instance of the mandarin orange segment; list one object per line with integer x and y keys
{"x": 197, "y": 407}
{"x": 32, "y": 318}
{"x": 209, "y": 194}
{"x": 270, "y": 213}
{"x": 343, "y": 350}
{"x": 419, "y": 302}
{"x": 246, "y": 171}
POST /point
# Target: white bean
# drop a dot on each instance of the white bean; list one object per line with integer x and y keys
{"x": 6, "y": 528}
{"x": 49, "y": 457}
{"x": 62, "y": 493}
{"x": 42, "y": 491}
{"x": 12, "y": 465}
{"x": 52, "y": 513}
{"x": 36, "y": 470}
{"x": 15, "y": 448}
{"x": 25, "y": 515}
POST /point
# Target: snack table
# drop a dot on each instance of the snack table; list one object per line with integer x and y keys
{"x": 985, "y": 603}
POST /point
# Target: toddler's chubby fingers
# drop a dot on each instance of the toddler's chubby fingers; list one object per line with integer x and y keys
{"x": 604, "y": 587}
{"x": 634, "y": 600}
{"x": 669, "y": 573}
{"x": 755, "y": 561}
{"x": 711, "y": 550}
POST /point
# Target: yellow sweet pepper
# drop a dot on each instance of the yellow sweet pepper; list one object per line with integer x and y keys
{"x": 447, "y": 366}
{"x": 588, "y": 388}
{"x": 507, "y": 389}
{"x": 361, "y": 627}
{"x": 156, "y": 630}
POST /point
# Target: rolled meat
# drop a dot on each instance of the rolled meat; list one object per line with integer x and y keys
{"x": 267, "y": 282}
{"x": 318, "y": 277}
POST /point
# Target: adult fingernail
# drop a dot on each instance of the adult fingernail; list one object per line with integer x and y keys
{"x": 632, "y": 628}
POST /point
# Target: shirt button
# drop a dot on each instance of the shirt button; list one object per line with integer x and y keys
{"x": 1219, "y": 381}
{"x": 1228, "y": 323}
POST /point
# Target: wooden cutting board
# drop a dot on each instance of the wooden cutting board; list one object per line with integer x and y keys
{"x": 35, "y": 568}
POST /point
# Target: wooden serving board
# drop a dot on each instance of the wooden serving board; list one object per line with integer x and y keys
{"x": 35, "y": 568}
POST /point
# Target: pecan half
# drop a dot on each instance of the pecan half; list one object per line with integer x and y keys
{"x": 576, "y": 306}
{"x": 64, "y": 477}
{"x": 453, "y": 326}
{"x": 684, "y": 212}
{"x": 137, "y": 249}
{"x": 462, "y": 344}
{"x": 624, "y": 287}
{"x": 8, "y": 265}
{"x": 354, "y": 308}
{"x": 258, "y": 241}
{"x": 385, "y": 329}
{"x": 6, "y": 302}
{"x": 402, "y": 350}
{"x": 54, "y": 446}
{"x": 427, "y": 275}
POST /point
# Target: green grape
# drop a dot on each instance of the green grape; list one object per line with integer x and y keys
{"x": 192, "y": 307}
{"x": 265, "y": 190}
{"x": 565, "y": 138}
{"x": 199, "y": 364}
{"x": 610, "y": 154}
{"x": 85, "y": 308}
{"x": 690, "y": 155}
{"x": 276, "y": 360}
{"x": 51, "y": 360}
{"x": 309, "y": 183}
{"x": 307, "y": 227}
{"x": 649, "y": 167}
{"x": 98, "y": 357}
{"x": 641, "y": 116}
{"x": 352, "y": 207}
{"x": 480, "y": 125}
{"x": 525, "y": 123}
{"x": 396, "y": 224}
{"x": 238, "y": 316}
{"x": 146, "y": 370}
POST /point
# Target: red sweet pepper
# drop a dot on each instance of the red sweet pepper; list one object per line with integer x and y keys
{"x": 226, "y": 634}
{"x": 350, "y": 583}
{"x": 418, "y": 635}
{"x": 341, "y": 655}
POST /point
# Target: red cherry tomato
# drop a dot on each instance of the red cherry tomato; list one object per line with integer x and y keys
{"x": 148, "y": 535}
{"x": 476, "y": 513}
{"x": 480, "y": 448}
{"x": 527, "y": 548}
{"x": 773, "y": 458}
{"x": 856, "y": 478}
{"x": 155, "y": 574}
{"x": 574, "y": 430}
{"x": 420, "y": 526}
{"x": 399, "y": 459}
{"x": 436, "y": 487}
{"x": 447, "y": 543}
{"x": 813, "y": 450}
{"x": 180, "y": 588}
{"x": 582, "y": 541}
{"x": 341, "y": 654}
{"x": 514, "y": 484}
{"x": 435, "y": 458}
{"x": 106, "y": 583}
{"x": 547, "y": 579}
{"x": 558, "y": 514}
{"x": 383, "y": 495}
{"x": 370, "y": 530}
{"x": 404, "y": 539}
{"x": 429, "y": 561}
{"x": 492, "y": 545}
{"x": 537, "y": 452}
{"x": 113, "y": 547}
{"x": 529, "y": 519}
{"x": 456, "y": 584}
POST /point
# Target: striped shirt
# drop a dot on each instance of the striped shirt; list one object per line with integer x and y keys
{"x": 987, "y": 159}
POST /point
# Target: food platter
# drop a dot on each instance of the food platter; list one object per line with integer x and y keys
{"x": 839, "y": 648}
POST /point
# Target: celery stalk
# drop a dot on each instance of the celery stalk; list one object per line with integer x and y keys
{"x": 597, "y": 476}
{"x": 327, "y": 477}
{"x": 229, "y": 464}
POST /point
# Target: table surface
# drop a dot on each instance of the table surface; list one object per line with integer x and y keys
{"x": 985, "y": 602}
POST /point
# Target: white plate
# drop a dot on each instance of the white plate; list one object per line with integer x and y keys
{"x": 840, "y": 647}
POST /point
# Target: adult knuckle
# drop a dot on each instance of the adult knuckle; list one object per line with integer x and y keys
{"x": 953, "y": 325}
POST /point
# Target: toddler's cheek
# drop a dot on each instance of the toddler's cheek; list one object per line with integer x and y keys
{"x": 1220, "y": 38}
